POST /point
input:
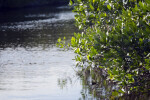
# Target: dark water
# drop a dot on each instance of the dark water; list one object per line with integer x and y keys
{"x": 35, "y": 27}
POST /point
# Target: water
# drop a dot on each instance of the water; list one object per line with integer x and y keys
{"x": 31, "y": 66}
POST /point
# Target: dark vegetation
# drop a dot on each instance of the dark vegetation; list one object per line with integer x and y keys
{"x": 115, "y": 40}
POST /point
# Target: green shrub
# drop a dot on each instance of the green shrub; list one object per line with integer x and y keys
{"x": 116, "y": 38}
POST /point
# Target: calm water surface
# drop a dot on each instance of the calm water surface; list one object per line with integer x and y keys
{"x": 31, "y": 67}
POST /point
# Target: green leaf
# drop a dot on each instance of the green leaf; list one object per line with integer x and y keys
{"x": 141, "y": 4}
{"x": 59, "y": 40}
{"x": 93, "y": 51}
{"x": 109, "y": 7}
{"x": 105, "y": 14}
{"x": 70, "y": 3}
{"x": 91, "y": 6}
{"x": 101, "y": 67}
{"x": 121, "y": 91}
{"x": 77, "y": 50}
{"x": 88, "y": 57}
{"x": 93, "y": 1}
{"x": 115, "y": 93}
{"x": 73, "y": 41}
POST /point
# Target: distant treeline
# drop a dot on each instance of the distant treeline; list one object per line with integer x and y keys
{"x": 29, "y": 3}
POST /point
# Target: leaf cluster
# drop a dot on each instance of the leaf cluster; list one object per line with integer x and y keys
{"x": 116, "y": 38}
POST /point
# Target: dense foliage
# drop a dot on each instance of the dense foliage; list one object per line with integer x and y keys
{"x": 115, "y": 38}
